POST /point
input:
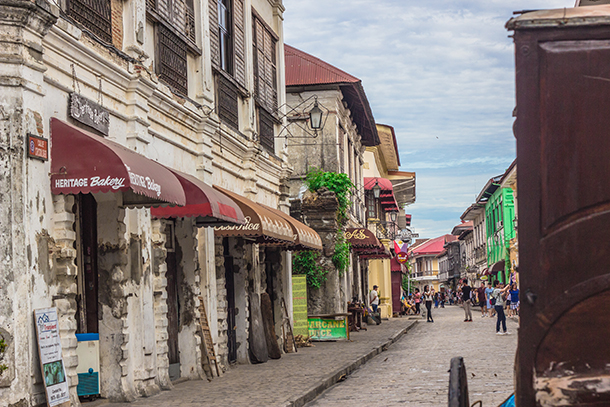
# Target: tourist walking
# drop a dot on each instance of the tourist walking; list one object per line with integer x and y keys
{"x": 482, "y": 300}
{"x": 488, "y": 292}
{"x": 466, "y": 302}
{"x": 428, "y": 298}
{"x": 497, "y": 297}
{"x": 417, "y": 296}
{"x": 514, "y": 300}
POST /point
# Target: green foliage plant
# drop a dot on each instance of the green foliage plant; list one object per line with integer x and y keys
{"x": 3, "y": 346}
{"x": 341, "y": 255}
{"x": 340, "y": 184}
{"x": 306, "y": 262}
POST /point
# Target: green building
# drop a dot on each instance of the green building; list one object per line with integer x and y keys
{"x": 499, "y": 217}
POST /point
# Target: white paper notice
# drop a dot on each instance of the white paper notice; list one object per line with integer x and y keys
{"x": 51, "y": 361}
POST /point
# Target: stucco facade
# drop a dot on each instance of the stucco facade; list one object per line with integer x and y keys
{"x": 48, "y": 56}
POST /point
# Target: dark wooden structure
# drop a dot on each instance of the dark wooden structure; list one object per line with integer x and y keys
{"x": 563, "y": 163}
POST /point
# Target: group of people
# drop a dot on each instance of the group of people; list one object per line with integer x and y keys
{"x": 493, "y": 301}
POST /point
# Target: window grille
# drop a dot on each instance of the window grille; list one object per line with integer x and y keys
{"x": 95, "y": 15}
{"x": 172, "y": 59}
{"x": 227, "y": 102}
{"x": 266, "y": 130}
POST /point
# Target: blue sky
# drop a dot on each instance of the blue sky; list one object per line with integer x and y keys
{"x": 440, "y": 72}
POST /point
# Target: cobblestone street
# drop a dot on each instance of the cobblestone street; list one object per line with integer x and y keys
{"x": 413, "y": 372}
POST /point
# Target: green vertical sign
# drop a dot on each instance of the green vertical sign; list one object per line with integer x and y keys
{"x": 299, "y": 305}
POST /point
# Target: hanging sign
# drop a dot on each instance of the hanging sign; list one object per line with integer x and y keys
{"x": 90, "y": 113}
{"x": 401, "y": 257}
{"x": 51, "y": 360}
{"x": 38, "y": 147}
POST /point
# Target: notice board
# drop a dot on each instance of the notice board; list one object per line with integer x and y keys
{"x": 328, "y": 327}
{"x": 51, "y": 359}
{"x": 299, "y": 305}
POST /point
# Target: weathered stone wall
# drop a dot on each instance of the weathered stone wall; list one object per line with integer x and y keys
{"x": 320, "y": 213}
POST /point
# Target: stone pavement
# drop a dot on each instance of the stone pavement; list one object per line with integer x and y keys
{"x": 293, "y": 380}
{"x": 414, "y": 371}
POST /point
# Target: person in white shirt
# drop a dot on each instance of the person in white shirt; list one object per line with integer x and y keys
{"x": 374, "y": 298}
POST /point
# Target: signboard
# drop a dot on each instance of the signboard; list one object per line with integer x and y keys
{"x": 90, "y": 113}
{"x": 38, "y": 147}
{"x": 51, "y": 361}
{"x": 328, "y": 329}
{"x": 299, "y": 305}
{"x": 401, "y": 257}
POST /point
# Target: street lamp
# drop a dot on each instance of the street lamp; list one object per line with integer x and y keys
{"x": 376, "y": 190}
{"x": 393, "y": 216}
{"x": 315, "y": 116}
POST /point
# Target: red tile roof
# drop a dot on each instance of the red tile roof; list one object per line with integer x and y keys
{"x": 303, "y": 70}
{"x": 434, "y": 246}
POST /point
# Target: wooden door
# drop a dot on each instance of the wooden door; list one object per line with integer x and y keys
{"x": 396, "y": 291}
{"x": 87, "y": 264}
{"x": 230, "y": 286}
{"x": 173, "y": 303}
{"x": 563, "y": 168}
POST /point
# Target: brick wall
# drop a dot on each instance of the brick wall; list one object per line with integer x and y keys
{"x": 117, "y": 23}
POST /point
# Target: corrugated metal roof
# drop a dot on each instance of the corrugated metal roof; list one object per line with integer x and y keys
{"x": 304, "y": 69}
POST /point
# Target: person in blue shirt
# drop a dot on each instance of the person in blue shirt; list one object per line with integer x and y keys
{"x": 514, "y": 301}
{"x": 488, "y": 292}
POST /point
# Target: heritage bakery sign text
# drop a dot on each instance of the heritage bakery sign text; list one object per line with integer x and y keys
{"x": 115, "y": 183}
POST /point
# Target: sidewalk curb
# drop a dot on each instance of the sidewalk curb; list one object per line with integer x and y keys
{"x": 347, "y": 369}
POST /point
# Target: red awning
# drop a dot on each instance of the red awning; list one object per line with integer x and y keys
{"x": 262, "y": 225}
{"x": 384, "y": 183}
{"x": 82, "y": 162}
{"x": 497, "y": 266}
{"x": 210, "y": 207}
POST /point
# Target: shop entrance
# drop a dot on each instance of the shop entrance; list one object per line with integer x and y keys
{"x": 87, "y": 277}
{"x": 230, "y": 286}
{"x": 173, "y": 303}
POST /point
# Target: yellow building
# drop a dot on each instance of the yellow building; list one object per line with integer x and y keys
{"x": 387, "y": 191}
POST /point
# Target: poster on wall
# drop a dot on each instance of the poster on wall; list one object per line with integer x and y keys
{"x": 51, "y": 360}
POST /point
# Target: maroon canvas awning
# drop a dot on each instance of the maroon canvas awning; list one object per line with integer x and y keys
{"x": 208, "y": 206}
{"x": 82, "y": 162}
{"x": 365, "y": 244}
{"x": 497, "y": 266}
{"x": 306, "y": 237}
{"x": 262, "y": 225}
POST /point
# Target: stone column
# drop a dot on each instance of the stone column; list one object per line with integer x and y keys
{"x": 320, "y": 213}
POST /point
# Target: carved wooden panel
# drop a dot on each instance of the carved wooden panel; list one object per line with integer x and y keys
{"x": 95, "y": 15}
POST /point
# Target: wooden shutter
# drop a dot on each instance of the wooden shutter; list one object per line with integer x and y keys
{"x": 214, "y": 39}
{"x": 239, "y": 42}
{"x": 260, "y": 59}
{"x": 270, "y": 99}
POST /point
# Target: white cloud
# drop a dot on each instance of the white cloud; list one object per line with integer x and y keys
{"x": 441, "y": 72}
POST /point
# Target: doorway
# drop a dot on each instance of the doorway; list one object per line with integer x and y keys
{"x": 173, "y": 303}
{"x": 230, "y": 286}
{"x": 86, "y": 261}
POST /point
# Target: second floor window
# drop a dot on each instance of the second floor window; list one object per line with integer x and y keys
{"x": 175, "y": 37}
{"x": 264, "y": 44}
{"x": 224, "y": 35}
{"x": 95, "y": 15}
